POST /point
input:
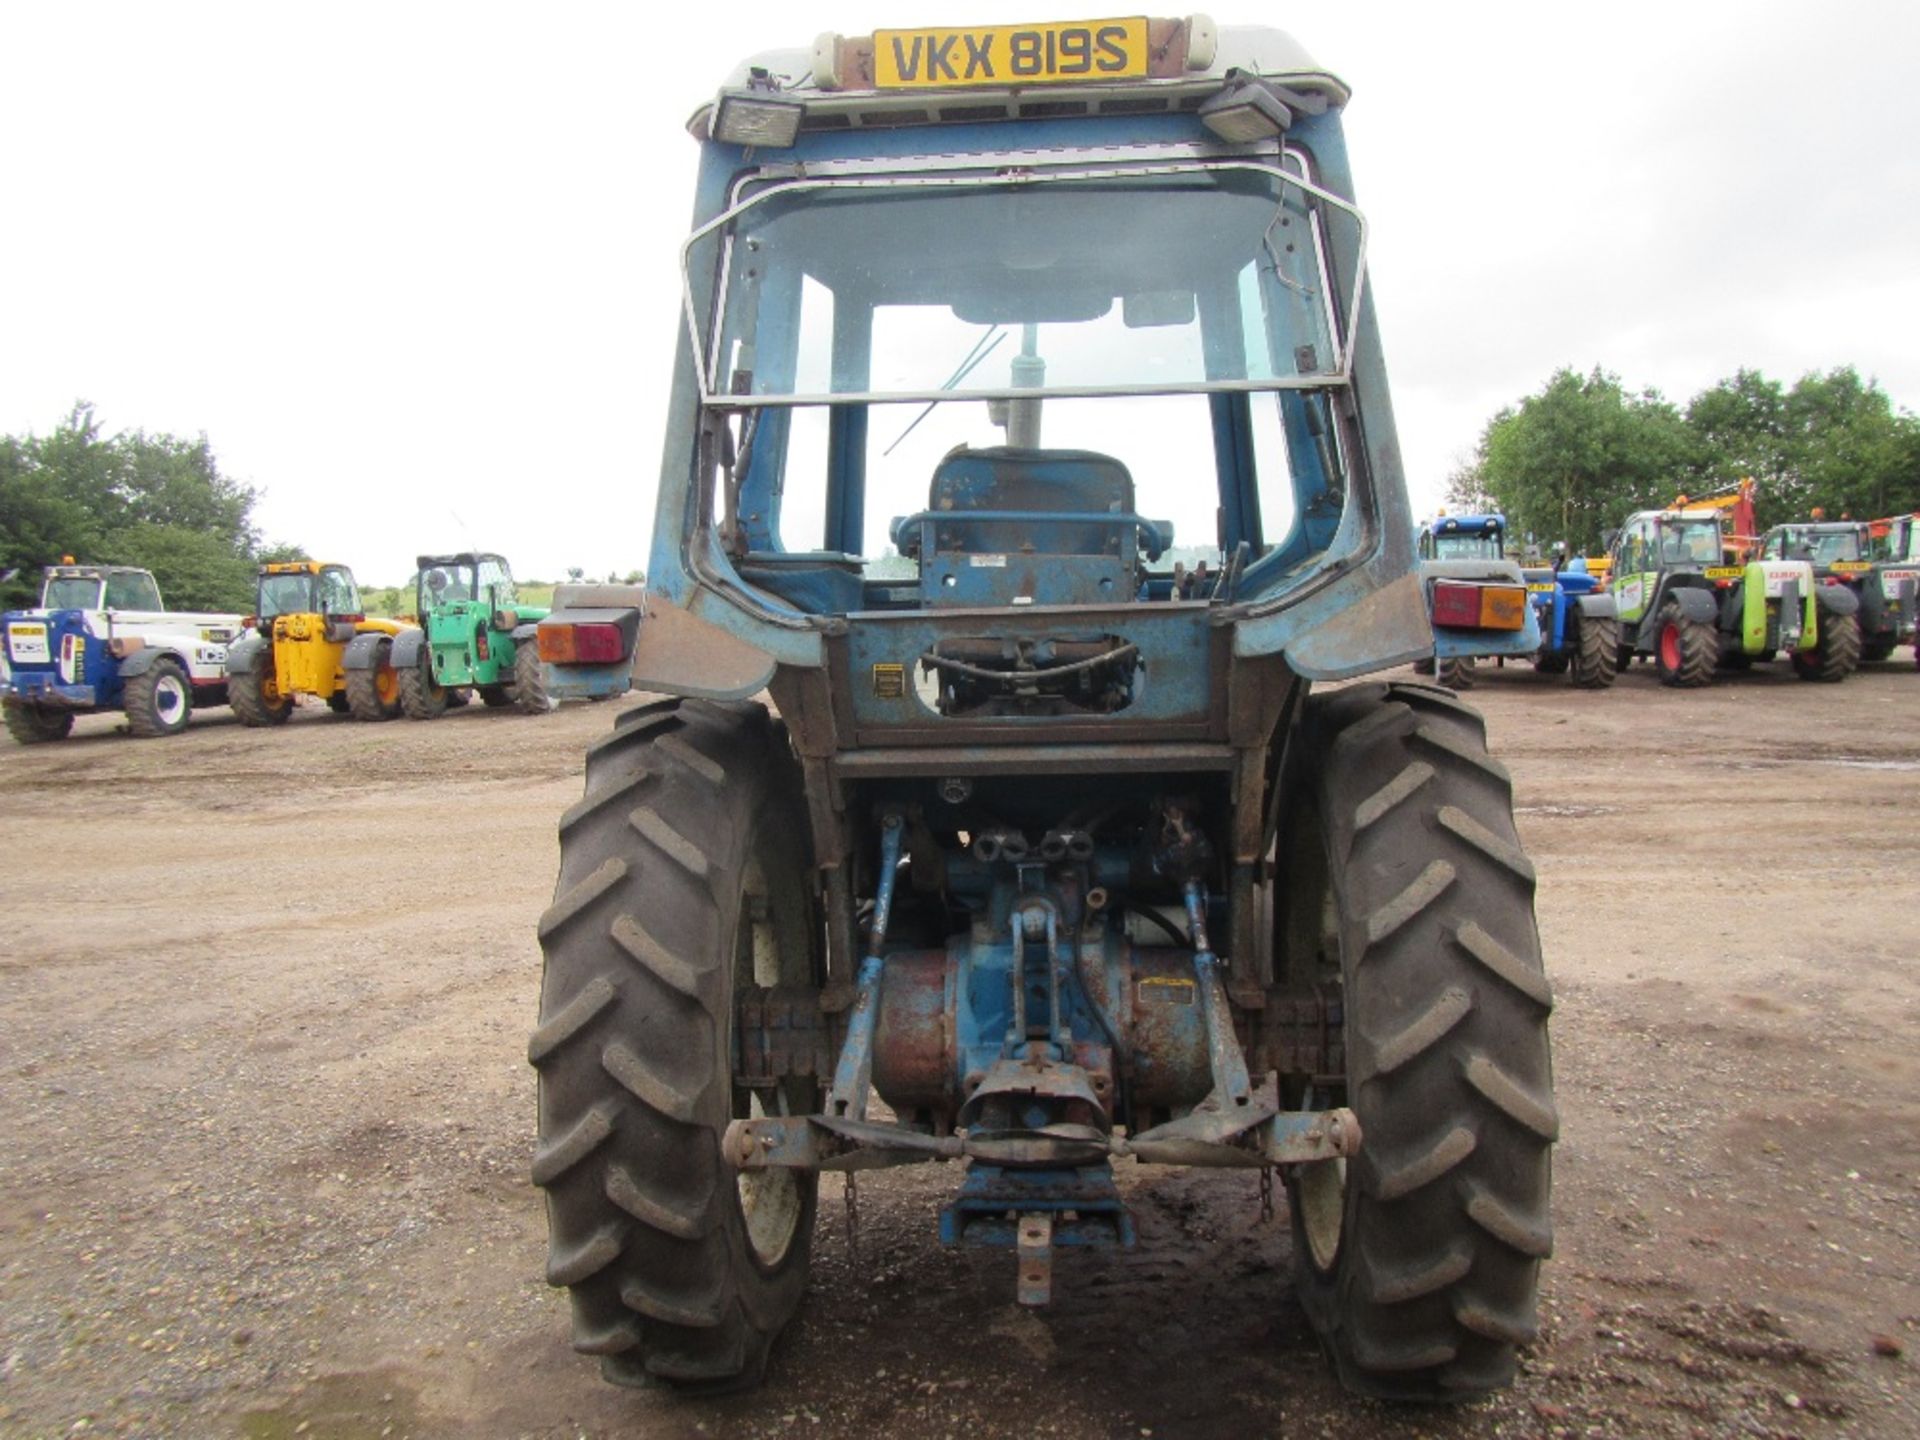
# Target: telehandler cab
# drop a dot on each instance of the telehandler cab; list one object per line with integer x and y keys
{"x": 1052, "y": 854}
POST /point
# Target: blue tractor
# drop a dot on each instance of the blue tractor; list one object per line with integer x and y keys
{"x": 1030, "y": 448}
{"x": 1477, "y": 599}
{"x": 1579, "y": 623}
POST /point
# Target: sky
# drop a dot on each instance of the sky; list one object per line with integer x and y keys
{"x": 413, "y": 268}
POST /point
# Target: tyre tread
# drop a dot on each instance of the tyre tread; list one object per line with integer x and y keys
{"x": 637, "y": 1087}
{"x": 1446, "y": 1008}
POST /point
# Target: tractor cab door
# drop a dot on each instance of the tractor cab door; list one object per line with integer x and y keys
{"x": 1635, "y": 570}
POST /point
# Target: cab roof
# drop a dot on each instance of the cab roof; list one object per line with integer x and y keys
{"x": 93, "y": 572}
{"x": 1466, "y": 524}
{"x": 465, "y": 557}
{"x": 299, "y": 567}
{"x": 1191, "y": 59}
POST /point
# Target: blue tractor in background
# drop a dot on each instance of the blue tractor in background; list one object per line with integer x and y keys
{"x": 1477, "y": 599}
{"x": 1030, "y": 448}
{"x": 1579, "y": 623}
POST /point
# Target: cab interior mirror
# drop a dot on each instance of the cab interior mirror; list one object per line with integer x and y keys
{"x": 1151, "y": 308}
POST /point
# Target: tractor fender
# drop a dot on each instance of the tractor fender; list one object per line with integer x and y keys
{"x": 1873, "y": 605}
{"x": 1837, "y": 600}
{"x": 243, "y": 656}
{"x": 1595, "y": 605}
{"x": 407, "y": 646}
{"x": 363, "y": 651}
{"x": 1696, "y": 602}
{"x": 146, "y": 657}
{"x": 526, "y": 634}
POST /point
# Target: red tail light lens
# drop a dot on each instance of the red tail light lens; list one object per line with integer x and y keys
{"x": 591, "y": 643}
{"x": 1457, "y": 606}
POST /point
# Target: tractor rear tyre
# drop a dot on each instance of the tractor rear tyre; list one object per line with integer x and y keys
{"x": 530, "y": 682}
{"x": 1596, "y": 653}
{"x": 421, "y": 696}
{"x": 337, "y": 703}
{"x": 1455, "y": 673}
{"x": 158, "y": 701}
{"x": 495, "y": 697}
{"x": 38, "y": 724}
{"x": 374, "y": 693}
{"x": 1423, "y": 667}
{"x": 1418, "y": 1259}
{"x": 1551, "y": 662}
{"x": 257, "y": 699}
{"x": 1685, "y": 651}
{"x": 1836, "y": 656}
{"x": 684, "y": 878}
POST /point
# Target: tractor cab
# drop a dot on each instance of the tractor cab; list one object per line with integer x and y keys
{"x": 932, "y": 387}
{"x": 1897, "y": 539}
{"x": 1821, "y": 543}
{"x": 99, "y": 587}
{"x": 289, "y": 592}
{"x": 1464, "y": 537}
{"x": 471, "y": 577}
{"x": 1083, "y": 339}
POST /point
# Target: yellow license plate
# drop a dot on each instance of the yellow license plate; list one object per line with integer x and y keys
{"x": 1542, "y": 587}
{"x": 1852, "y": 567}
{"x": 1503, "y": 609}
{"x": 1050, "y": 54}
{"x": 1724, "y": 572}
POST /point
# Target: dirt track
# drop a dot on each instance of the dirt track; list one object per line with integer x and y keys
{"x": 265, "y": 1115}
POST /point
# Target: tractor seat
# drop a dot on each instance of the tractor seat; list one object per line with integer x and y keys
{"x": 1007, "y": 526}
{"x": 1044, "y": 493}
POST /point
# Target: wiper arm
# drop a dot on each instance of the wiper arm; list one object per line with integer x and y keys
{"x": 982, "y": 348}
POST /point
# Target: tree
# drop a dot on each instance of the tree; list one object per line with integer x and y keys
{"x": 195, "y": 570}
{"x": 1857, "y": 455}
{"x": 1833, "y": 442}
{"x": 1467, "y": 489}
{"x": 131, "y": 499}
{"x": 1569, "y": 462}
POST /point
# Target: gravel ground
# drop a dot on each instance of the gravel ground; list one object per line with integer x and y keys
{"x": 266, "y": 1117}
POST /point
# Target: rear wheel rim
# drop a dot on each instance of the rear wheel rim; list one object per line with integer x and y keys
{"x": 771, "y": 1201}
{"x": 1670, "y": 645}
{"x": 1321, "y": 1191}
